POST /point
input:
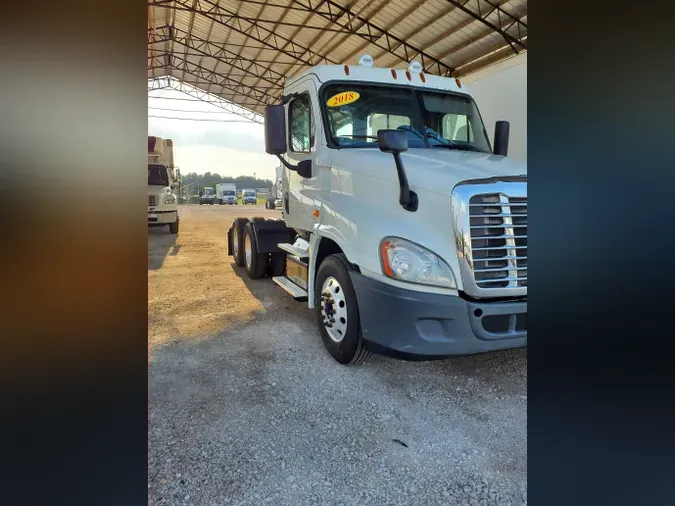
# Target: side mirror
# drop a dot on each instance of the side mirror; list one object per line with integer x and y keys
{"x": 395, "y": 142}
{"x": 392, "y": 141}
{"x": 275, "y": 129}
{"x": 501, "y": 138}
{"x": 304, "y": 168}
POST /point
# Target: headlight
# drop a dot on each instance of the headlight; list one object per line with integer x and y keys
{"x": 170, "y": 199}
{"x": 407, "y": 261}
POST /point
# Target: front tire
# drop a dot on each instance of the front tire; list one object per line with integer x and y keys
{"x": 337, "y": 311}
{"x": 173, "y": 228}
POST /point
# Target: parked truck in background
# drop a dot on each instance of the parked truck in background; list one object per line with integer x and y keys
{"x": 275, "y": 199}
{"x": 208, "y": 196}
{"x": 226, "y": 193}
{"x": 249, "y": 196}
{"x": 403, "y": 227}
{"x": 163, "y": 182}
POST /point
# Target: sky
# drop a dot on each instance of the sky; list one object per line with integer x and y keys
{"x": 231, "y": 146}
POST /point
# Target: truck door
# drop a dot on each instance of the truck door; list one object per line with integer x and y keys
{"x": 299, "y": 201}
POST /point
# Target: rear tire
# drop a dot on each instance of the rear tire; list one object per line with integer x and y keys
{"x": 277, "y": 264}
{"x": 256, "y": 263}
{"x": 238, "y": 240}
{"x": 346, "y": 346}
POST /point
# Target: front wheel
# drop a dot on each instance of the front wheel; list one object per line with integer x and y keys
{"x": 173, "y": 228}
{"x": 337, "y": 311}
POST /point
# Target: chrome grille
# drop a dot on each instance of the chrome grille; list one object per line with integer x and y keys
{"x": 498, "y": 231}
{"x": 152, "y": 200}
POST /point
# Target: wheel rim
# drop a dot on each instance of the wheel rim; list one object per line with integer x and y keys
{"x": 247, "y": 250}
{"x": 334, "y": 309}
{"x": 235, "y": 242}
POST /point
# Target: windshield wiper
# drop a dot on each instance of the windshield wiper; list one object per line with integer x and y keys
{"x": 460, "y": 147}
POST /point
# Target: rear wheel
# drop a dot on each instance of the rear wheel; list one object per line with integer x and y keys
{"x": 337, "y": 311}
{"x": 237, "y": 240}
{"x": 256, "y": 263}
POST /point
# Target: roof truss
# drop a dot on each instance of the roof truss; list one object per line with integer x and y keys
{"x": 243, "y": 50}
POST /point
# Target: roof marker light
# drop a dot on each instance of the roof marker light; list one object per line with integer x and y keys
{"x": 415, "y": 67}
{"x": 366, "y": 60}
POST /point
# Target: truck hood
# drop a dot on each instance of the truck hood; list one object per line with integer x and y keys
{"x": 154, "y": 189}
{"x": 437, "y": 169}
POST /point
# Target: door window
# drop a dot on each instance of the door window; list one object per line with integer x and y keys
{"x": 301, "y": 127}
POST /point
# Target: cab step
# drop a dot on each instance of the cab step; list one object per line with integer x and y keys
{"x": 297, "y": 292}
{"x": 293, "y": 250}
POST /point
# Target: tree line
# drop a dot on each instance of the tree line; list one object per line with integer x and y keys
{"x": 199, "y": 181}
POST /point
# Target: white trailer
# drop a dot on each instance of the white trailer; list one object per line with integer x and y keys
{"x": 501, "y": 91}
{"x": 163, "y": 180}
{"x": 404, "y": 227}
{"x": 226, "y": 193}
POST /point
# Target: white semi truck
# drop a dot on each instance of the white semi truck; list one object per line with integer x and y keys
{"x": 226, "y": 193}
{"x": 402, "y": 227}
{"x": 163, "y": 180}
{"x": 208, "y": 196}
{"x": 274, "y": 199}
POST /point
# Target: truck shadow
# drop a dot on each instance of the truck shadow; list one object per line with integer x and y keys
{"x": 268, "y": 294}
{"x": 160, "y": 244}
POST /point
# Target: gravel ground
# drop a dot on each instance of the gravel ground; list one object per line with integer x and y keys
{"x": 246, "y": 407}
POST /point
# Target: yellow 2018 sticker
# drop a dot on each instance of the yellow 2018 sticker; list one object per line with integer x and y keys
{"x": 344, "y": 98}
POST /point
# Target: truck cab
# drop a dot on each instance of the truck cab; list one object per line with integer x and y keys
{"x": 406, "y": 229}
{"x": 226, "y": 193}
{"x": 163, "y": 180}
{"x": 208, "y": 196}
{"x": 249, "y": 197}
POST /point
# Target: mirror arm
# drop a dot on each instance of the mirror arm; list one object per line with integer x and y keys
{"x": 286, "y": 164}
{"x": 407, "y": 197}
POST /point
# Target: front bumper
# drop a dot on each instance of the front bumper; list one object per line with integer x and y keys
{"x": 206, "y": 201}
{"x": 422, "y": 324}
{"x": 162, "y": 217}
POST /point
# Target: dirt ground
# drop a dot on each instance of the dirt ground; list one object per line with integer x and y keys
{"x": 248, "y": 409}
{"x": 192, "y": 289}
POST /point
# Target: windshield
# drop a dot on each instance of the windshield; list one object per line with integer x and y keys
{"x": 208, "y": 191}
{"x": 249, "y": 194}
{"x": 431, "y": 119}
{"x": 228, "y": 193}
{"x": 157, "y": 175}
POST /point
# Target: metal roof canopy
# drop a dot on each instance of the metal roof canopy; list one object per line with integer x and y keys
{"x": 236, "y": 54}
